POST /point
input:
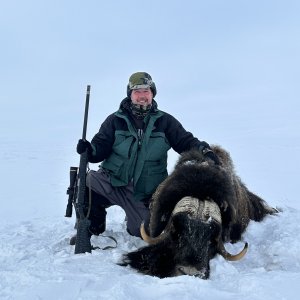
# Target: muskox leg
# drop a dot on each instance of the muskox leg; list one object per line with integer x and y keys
{"x": 193, "y": 271}
{"x": 155, "y": 260}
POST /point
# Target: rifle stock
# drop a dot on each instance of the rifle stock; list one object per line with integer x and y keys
{"x": 83, "y": 243}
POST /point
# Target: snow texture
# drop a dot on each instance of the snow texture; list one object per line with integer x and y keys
{"x": 227, "y": 70}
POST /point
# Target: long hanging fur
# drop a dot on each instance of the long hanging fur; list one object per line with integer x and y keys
{"x": 193, "y": 177}
{"x": 191, "y": 243}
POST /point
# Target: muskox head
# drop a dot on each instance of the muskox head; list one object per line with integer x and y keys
{"x": 198, "y": 208}
{"x": 194, "y": 230}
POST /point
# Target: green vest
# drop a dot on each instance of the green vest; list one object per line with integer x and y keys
{"x": 141, "y": 160}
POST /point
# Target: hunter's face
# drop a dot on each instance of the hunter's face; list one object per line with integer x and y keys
{"x": 142, "y": 96}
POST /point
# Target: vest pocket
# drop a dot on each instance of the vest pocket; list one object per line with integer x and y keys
{"x": 152, "y": 182}
{"x": 124, "y": 144}
{"x": 154, "y": 173}
{"x": 114, "y": 164}
{"x": 156, "y": 169}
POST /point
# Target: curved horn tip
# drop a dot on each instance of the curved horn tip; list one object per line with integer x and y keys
{"x": 148, "y": 239}
{"x": 151, "y": 240}
{"x": 144, "y": 235}
{"x": 231, "y": 257}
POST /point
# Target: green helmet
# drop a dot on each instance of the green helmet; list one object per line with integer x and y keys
{"x": 140, "y": 80}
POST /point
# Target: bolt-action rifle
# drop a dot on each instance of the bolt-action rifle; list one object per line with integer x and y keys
{"x": 77, "y": 191}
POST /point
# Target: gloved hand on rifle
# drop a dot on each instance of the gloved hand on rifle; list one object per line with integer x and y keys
{"x": 84, "y": 145}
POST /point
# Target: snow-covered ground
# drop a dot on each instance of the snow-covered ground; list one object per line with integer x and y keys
{"x": 227, "y": 70}
{"x": 37, "y": 262}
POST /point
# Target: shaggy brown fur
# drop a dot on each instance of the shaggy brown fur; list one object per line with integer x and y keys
{"x": 192, "y": 242}
{"x": 194, "y": 177}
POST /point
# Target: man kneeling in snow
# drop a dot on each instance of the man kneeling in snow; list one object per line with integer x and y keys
{"x": 132, "y": 145}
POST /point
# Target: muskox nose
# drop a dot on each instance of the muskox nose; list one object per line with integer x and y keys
{"x": 192, "y": 271}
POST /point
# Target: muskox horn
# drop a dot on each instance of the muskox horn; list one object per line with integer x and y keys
{"x": 150, "y": 240}
{"x": 229, "y": 256}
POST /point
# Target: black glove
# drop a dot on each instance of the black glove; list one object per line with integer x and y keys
{"x": 84, "y": 145}
{"x": 208, "y": 153}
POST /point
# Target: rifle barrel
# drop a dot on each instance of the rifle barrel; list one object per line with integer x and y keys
{"x": 86, "y": 111}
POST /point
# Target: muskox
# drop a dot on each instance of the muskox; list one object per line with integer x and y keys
{"x": 198, "y": 208}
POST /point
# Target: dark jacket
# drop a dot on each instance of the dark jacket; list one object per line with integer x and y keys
{"x": 130, "y": 154}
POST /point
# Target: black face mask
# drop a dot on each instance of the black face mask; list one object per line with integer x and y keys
{"x": 140, "y": 111}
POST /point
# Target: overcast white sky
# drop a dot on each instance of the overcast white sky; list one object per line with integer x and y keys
{"x": 51, "y": 49}
{"x": 228, "y": 70}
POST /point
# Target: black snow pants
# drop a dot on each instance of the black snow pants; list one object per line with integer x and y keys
{"x": 104, "y": 195}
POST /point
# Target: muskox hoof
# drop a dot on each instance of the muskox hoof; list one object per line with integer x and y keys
{"x": 73, "y": 240}
{"x": 192, "y": 271}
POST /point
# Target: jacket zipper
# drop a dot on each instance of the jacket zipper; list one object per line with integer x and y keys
{"x": 140, "y": 137}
